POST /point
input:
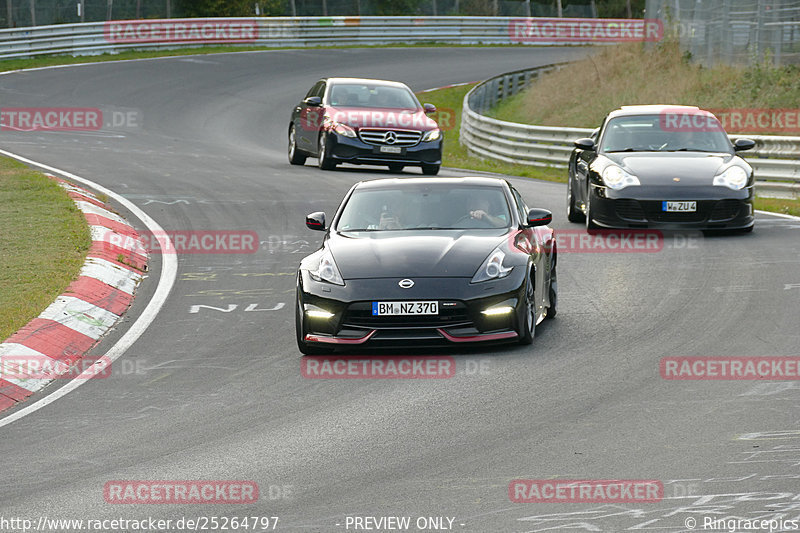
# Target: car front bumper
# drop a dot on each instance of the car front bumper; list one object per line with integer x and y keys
{"x": 642, "y": 207}
{"x": 460, "y": 319}
{"x": 354, "y": 150}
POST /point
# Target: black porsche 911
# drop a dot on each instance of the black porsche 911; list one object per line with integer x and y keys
{"x": 427, "y": 262}
{"x": 670, "y": 167}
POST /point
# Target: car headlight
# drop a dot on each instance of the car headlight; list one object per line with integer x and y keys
{"x": 432, "y": 135}
{"x": 344, "y": 129}
{"x": 616, "y": 178}
{"x": 327, "y": 270}
{"x": 492, "y": 268}
{"x": 733, "y": 178}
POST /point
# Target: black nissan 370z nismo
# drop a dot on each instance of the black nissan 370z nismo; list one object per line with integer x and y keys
{"x": 655, "y": 166}
{"x": 427, "y": 262}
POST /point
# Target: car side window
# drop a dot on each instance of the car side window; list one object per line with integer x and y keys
{"x": 320, "y": 89}
{"x": 312, "y": 90}
{"x": 522, "y": 208}
{"x": 317, "y": 90}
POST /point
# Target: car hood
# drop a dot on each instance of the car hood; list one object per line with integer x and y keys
{"x": 391, "y": 254}
{"x": 691, "y": 168}
{"x": 361, "y": 117}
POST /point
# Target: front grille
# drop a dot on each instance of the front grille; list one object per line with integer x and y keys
{"x": 629, "y": 209}
{"x": 378, "y": 137}
{"x": 359, "y": 314}
{"x": 726, "y": 210}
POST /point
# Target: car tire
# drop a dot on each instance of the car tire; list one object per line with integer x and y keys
{"x": 590, "y": 225}
{"x": 430, "y": 170}
{"x": 573, "y": 213}
{"x": 302, "y": 345}
{"x": 396, "y": 167}
{"x": 527, "y": 321}
{"x": 553, "y": 295}
{"x": 296, "y": 157}
{"x": 325, "y": 160}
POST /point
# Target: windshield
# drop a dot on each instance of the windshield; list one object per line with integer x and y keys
{"x": 665, "y": 133}
{"x": 372, "y": 96}
{"x": 432, "y": 207}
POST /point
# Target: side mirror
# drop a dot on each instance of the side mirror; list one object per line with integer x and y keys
{"x": 429, "y": 108}
{"x": 313, "y": 101}
{"x": 584, "y": 144}
{"x": 316, "y": 221}
{"x": 538, "y": 217}
{"x": 743, "y": 144}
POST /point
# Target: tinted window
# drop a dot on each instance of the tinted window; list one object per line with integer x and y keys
{"x": 424, "y": 207}
{"x": 372, "y": 96}
{"x": 665, "y": 132}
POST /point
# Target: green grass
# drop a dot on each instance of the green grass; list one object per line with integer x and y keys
{"x": 43, "y": 244}
{"x": 583, "y": 93}
{"x": 786, "y": 206}
{"x": 455, "y": 155}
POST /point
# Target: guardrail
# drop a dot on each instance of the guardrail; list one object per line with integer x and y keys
{"x": 111, "y": 37}
{"x": 526, "y": 144}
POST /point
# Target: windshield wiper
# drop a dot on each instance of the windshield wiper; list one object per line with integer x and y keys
{"x": 691, "y": 150}
{"x": 625, "y": 150}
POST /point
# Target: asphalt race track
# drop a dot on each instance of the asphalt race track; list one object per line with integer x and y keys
{"x": 215, "y": 392}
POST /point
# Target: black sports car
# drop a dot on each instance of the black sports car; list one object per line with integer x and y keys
{"x": 426, "y": 262}
{"x": 362, "y": 121}
{"x": 670, "y": 167}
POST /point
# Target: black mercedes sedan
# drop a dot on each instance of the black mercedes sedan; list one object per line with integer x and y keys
{"x": 670, "y": 167}
{"x": 363, "y": 121}
{"x": 427, "y": 262}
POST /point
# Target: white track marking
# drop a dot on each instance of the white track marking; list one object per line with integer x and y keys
{"x": 169, "y": 270}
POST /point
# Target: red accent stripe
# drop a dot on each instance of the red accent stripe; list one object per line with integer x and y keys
{"x": 338, "y": 340}
{"x": 110, "y": 252}
{"x": 102, "y": 295}
{"x": 52, "y": 339}
{"x": 97, "y": 220}
{"x": 479, "y": 338}
{"x": 5, "y": 401}
{"x": 82, "y": 198}
{"x": 13, "y": 391}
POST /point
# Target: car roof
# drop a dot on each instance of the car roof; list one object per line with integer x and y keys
{"x": 467, "y": 180}
{"x": 628, "y": 110}
{"x": 385, "y": 83}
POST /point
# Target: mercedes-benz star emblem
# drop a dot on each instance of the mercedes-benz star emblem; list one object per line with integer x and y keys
{"x": 390, "y": 137}
{"x": 405, "y": 283}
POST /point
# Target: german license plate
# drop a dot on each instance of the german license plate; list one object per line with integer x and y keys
{"x": 679, "y": 207}
{"x": 404, "y": 308}
{"x": 391, "y": 149}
